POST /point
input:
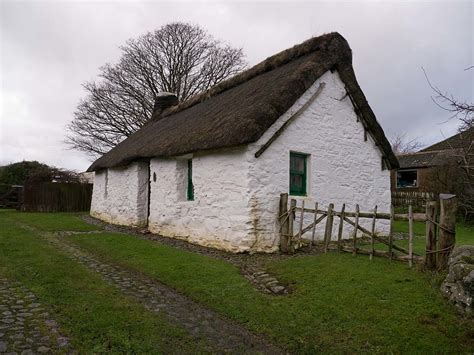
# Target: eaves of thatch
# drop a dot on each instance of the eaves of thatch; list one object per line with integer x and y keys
{"x": 238, "y": 111}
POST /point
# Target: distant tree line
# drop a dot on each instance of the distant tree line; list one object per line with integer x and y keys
{"x": 33, "y": 171}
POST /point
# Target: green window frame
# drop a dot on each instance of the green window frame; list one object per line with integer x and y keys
{"x": 298, "y": 174}
{"x": 190, "y": 186}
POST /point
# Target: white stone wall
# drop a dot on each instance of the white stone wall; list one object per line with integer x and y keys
{"x": 120, "y": 195}
{"x": 219, "y": 216}
{"x": 237, "y": 195}
{"x": 343, "y": 168}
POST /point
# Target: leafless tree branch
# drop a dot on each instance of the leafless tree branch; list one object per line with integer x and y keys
{"x": 401, "y": 144}
{"x": 461, "y": 110}
{"x": 179, "y": 58}
{"x": 461, "y": 177}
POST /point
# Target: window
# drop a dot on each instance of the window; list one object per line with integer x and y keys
{"x": 106, "y": 183}
{"x": 298, "y": 166}
{"x": 407, "y": 178}
{"x": 190, "y": 186}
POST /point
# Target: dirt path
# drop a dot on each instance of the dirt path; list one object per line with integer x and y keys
{"x": 223, "y": 335}
{"x": 25, "y": 326}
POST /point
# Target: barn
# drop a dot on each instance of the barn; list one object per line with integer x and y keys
{"x": 211, "y": 170}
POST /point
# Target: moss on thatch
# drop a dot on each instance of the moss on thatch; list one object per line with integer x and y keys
{"x": 239, "y": 110}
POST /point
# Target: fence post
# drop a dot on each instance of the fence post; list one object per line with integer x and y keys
{"x": 328, "y": 230}
{"x": 341, "y": 226}
{"x": 284, "y": 222}
{"x": 430, "y": 257}
{"x": 410, "y": 236}
{"x": 314, "y": 223}
{"x": 354, "y": 236}
{"x": 300, "y": 229}
{"x": 390, "y": 236}
{"x": 291, "y": 214}
{"x": 372, "y": 235}
{"x": 447, "y": 224}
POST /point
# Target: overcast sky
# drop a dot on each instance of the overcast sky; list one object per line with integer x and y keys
{"x": 48, "y": 48}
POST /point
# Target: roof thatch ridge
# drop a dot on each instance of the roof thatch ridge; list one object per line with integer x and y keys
{"x": 270, "y": 63}
{"x": 239, "y": 110}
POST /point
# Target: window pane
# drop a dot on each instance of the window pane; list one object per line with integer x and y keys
{"x": 407, "y": 178}
{"x": 190, "y": 187}
{"x": 296, "y": 182}
{"x": 297, "y": 163}
{"x": 298, "y": 174}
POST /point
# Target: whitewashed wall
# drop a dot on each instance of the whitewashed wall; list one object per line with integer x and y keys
{"x": 237, "y": 195}
{"x": 343, "y": 168}
{"x": 219, "y": 216}
{"x": 120, "y": 195}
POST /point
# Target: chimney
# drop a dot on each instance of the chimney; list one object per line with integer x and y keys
{"x": 162, "y": 102}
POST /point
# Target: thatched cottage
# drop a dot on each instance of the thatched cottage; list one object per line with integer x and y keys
{"x": 211, "y": 169}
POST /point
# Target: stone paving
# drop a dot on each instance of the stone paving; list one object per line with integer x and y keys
{"x": 251, "y": 266}
{"x": 222, "y": 335}
{"x": 25, "y": 325}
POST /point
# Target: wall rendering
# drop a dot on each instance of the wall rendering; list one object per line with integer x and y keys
{"x": 342, "y": 166}
{"x": 219, "y": 216}
{"x": 236, "y": 195}
{"x": 120, "y": 195}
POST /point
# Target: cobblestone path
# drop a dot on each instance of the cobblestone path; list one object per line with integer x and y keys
{"x": 251, "y": 266}
{"x": 25, "y": 326}
{"x": 222, "y": 335}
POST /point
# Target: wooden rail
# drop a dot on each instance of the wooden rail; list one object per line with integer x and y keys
{"x": 437, "y": 251}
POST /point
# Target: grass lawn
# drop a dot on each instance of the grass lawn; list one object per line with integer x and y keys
{"x": 339, "y": 303}
{"x": 464, "y": 236}
{"x": 51, "y": 221}
{"x": 95, "y": 315}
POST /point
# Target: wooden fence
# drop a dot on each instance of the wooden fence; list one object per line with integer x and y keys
{"x": 413, "y": 198}
{"x": 56, "y": 197}
{"x": 10, "y": 196}
{"x": 292, "y": 229}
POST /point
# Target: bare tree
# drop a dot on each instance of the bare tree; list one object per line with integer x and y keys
{"x": 463, "y": 154}
{"x": 179, "y": 58}
{"x": 401, "y": 144}
{"x": 459, "y": 109}
{"x": 463, "y": 158}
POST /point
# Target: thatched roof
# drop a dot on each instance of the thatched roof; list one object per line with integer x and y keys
{"x": 239, "y": 110}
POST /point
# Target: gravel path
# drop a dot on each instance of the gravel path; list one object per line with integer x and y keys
{"x": 223, "y": 335}
{"x": 25, "y": 326}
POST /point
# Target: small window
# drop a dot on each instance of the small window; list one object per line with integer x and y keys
{"x": 190, "y": 186}
{"x": 407, "y": 178}
{"x": 298, "y": 165}
{"x": 106, "y": 183}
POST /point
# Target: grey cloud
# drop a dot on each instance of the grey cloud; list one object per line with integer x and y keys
{"x": 49, "y": 48}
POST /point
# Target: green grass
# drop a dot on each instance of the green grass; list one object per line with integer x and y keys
{"x": 464, "y": 232}
{"x": 51, "y": 221}
{"x": 464, "y": 236}
{"x": 95, "y": 315}
{"x": 339, "y": 304}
